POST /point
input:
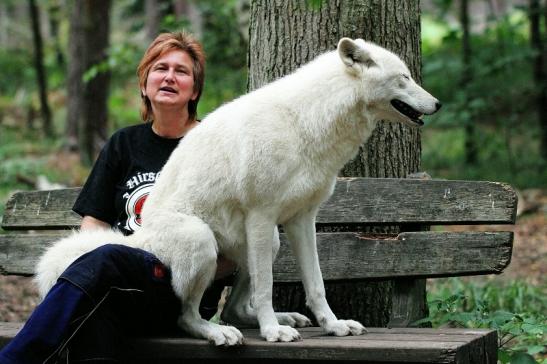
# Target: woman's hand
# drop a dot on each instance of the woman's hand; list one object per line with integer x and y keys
{"x": 225, "y": 267}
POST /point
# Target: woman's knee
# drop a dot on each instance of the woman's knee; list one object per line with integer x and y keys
{"x": 112, "y": 252}
{"x": 108, "y": 266}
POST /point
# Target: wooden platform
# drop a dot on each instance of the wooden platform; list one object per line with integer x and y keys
{"x": 380, "y": 345}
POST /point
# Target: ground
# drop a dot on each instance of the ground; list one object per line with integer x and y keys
{"x": 18, "y": 296}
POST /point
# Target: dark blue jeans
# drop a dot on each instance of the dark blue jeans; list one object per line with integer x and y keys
{"x": 103, "y": 298}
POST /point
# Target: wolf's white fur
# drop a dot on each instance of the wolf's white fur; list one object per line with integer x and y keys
{"x": 270, "y": 157}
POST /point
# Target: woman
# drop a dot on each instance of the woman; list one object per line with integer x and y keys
{"x": 115, "y": 290}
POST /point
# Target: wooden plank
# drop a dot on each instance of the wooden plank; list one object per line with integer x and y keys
{"x": 348, "y": 256}
{"x": 379, "y": 346}
{"x": 355, "y": 200}
{"x": 19, "y": 253}
{"x": 41, "y": 210}
{"x": 427, "y": 202}
{"x": 343, "y": 256}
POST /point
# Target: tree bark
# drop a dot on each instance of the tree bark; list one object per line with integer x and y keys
{"x": 189, "y": 9}
{"x": 75, "y": 71}
{"x": 152, "y": 19}
{"x": 466, "y": 77}
{"x": 540, "y": 69}
{"x": 55, "y": 15}
{"x": 287, "y": 34}
{"x": 96, "y": 23}
{"x": 40, "y": 69}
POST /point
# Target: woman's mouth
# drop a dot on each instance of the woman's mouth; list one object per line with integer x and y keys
{"x": 168, "y": 89}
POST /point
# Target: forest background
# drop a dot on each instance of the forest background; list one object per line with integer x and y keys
{"x": 485, "y": 59}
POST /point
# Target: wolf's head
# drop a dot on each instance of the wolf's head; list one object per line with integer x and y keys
{"x": 389, "y": 91}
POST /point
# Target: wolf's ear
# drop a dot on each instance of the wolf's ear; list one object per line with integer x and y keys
{"x": 353, "y": 54}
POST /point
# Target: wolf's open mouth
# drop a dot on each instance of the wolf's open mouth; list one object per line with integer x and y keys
{"x": 407, "y": 110}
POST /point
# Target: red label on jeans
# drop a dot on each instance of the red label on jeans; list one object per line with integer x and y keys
{"x": 159, "y": 271}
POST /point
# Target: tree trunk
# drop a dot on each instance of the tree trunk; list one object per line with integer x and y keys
{"x": 75, "y": 71}
{"x": 466, "y": 77}
{"x": 540, "y": 72}
{"x": 96, "y": 22}
{"x": 152, "y": 19}
{"x": 40, "y": 70}
{"x": 55, "y": 15}
{"x": 189, "y": 10}
{"x": 287, "y": 34}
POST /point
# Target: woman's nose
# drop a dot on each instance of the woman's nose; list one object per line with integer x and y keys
{"x": 170, "y": 74}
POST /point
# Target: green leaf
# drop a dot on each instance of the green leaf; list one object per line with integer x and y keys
{"x": 533, "y": 329}
{"x": 522, "y": 358}
{"x": 420, "y": 322}
{"x": 503, "y": 356}
{"x": 535, "y": 349}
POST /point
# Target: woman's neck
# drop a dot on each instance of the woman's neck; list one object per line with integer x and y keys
{"x": 172, "y": 125}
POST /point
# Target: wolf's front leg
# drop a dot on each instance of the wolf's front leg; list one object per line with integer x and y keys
{"x": 301, "y": 233}
{"x": 260, "y": 230}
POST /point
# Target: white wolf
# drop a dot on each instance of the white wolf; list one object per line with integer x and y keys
{"x": 270, "y": 157}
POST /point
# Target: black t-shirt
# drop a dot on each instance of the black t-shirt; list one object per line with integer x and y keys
{"x": 123, "y": 175}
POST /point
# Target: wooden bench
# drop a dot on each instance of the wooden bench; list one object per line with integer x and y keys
{"x": 34, "y": 219}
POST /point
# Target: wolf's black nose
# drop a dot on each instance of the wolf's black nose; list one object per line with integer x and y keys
{"x": 438, "y": 105}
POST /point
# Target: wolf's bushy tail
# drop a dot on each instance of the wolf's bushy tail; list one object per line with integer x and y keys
{"x": 63, "y": 252}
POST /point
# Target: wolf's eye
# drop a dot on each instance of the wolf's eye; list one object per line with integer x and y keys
{"x": 406, "y": 77}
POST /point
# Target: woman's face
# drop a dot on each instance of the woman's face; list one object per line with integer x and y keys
{"x": 170, "y": 81}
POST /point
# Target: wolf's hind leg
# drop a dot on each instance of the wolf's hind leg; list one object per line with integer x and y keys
{"x": 193, "y": 268}
{"x": 191, "y": 320}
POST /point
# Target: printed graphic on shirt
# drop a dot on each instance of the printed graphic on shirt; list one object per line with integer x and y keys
{"x": 134, "y": 205}
{"x": 136, "y": 198}
{"x": 139, "y": 178}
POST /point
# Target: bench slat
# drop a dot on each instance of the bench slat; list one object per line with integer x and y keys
{"x": 428, "y": 202}
{"x": 42, "y": 210}
{"x": 355, "y": 200}
{"x": 378, "y": 346}
{"x": 343, "y": 256}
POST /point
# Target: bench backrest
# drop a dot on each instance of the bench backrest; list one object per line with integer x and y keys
{"x": 349, "y": 252}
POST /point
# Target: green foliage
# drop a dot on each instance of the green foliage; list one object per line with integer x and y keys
{"x": 516, "y": 310}
{"x": 14, "y": 71}
{"x": 508, "y": 155}
{"x": 499, "y": 101}
{"x": 122, "y": 61}
{"x": 23, "y": 154}
{"x": 315, "y": 4}
{"x": 226, "y": 50}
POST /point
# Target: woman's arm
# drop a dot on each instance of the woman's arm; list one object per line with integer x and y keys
{"x": 91, "y": 223}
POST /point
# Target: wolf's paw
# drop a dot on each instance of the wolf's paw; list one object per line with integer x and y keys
{"x": 280, "y": 333}
{"x": 292, "y": 319}
{"x": 344, "y": 328}
{"x": 225, "y": 336}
